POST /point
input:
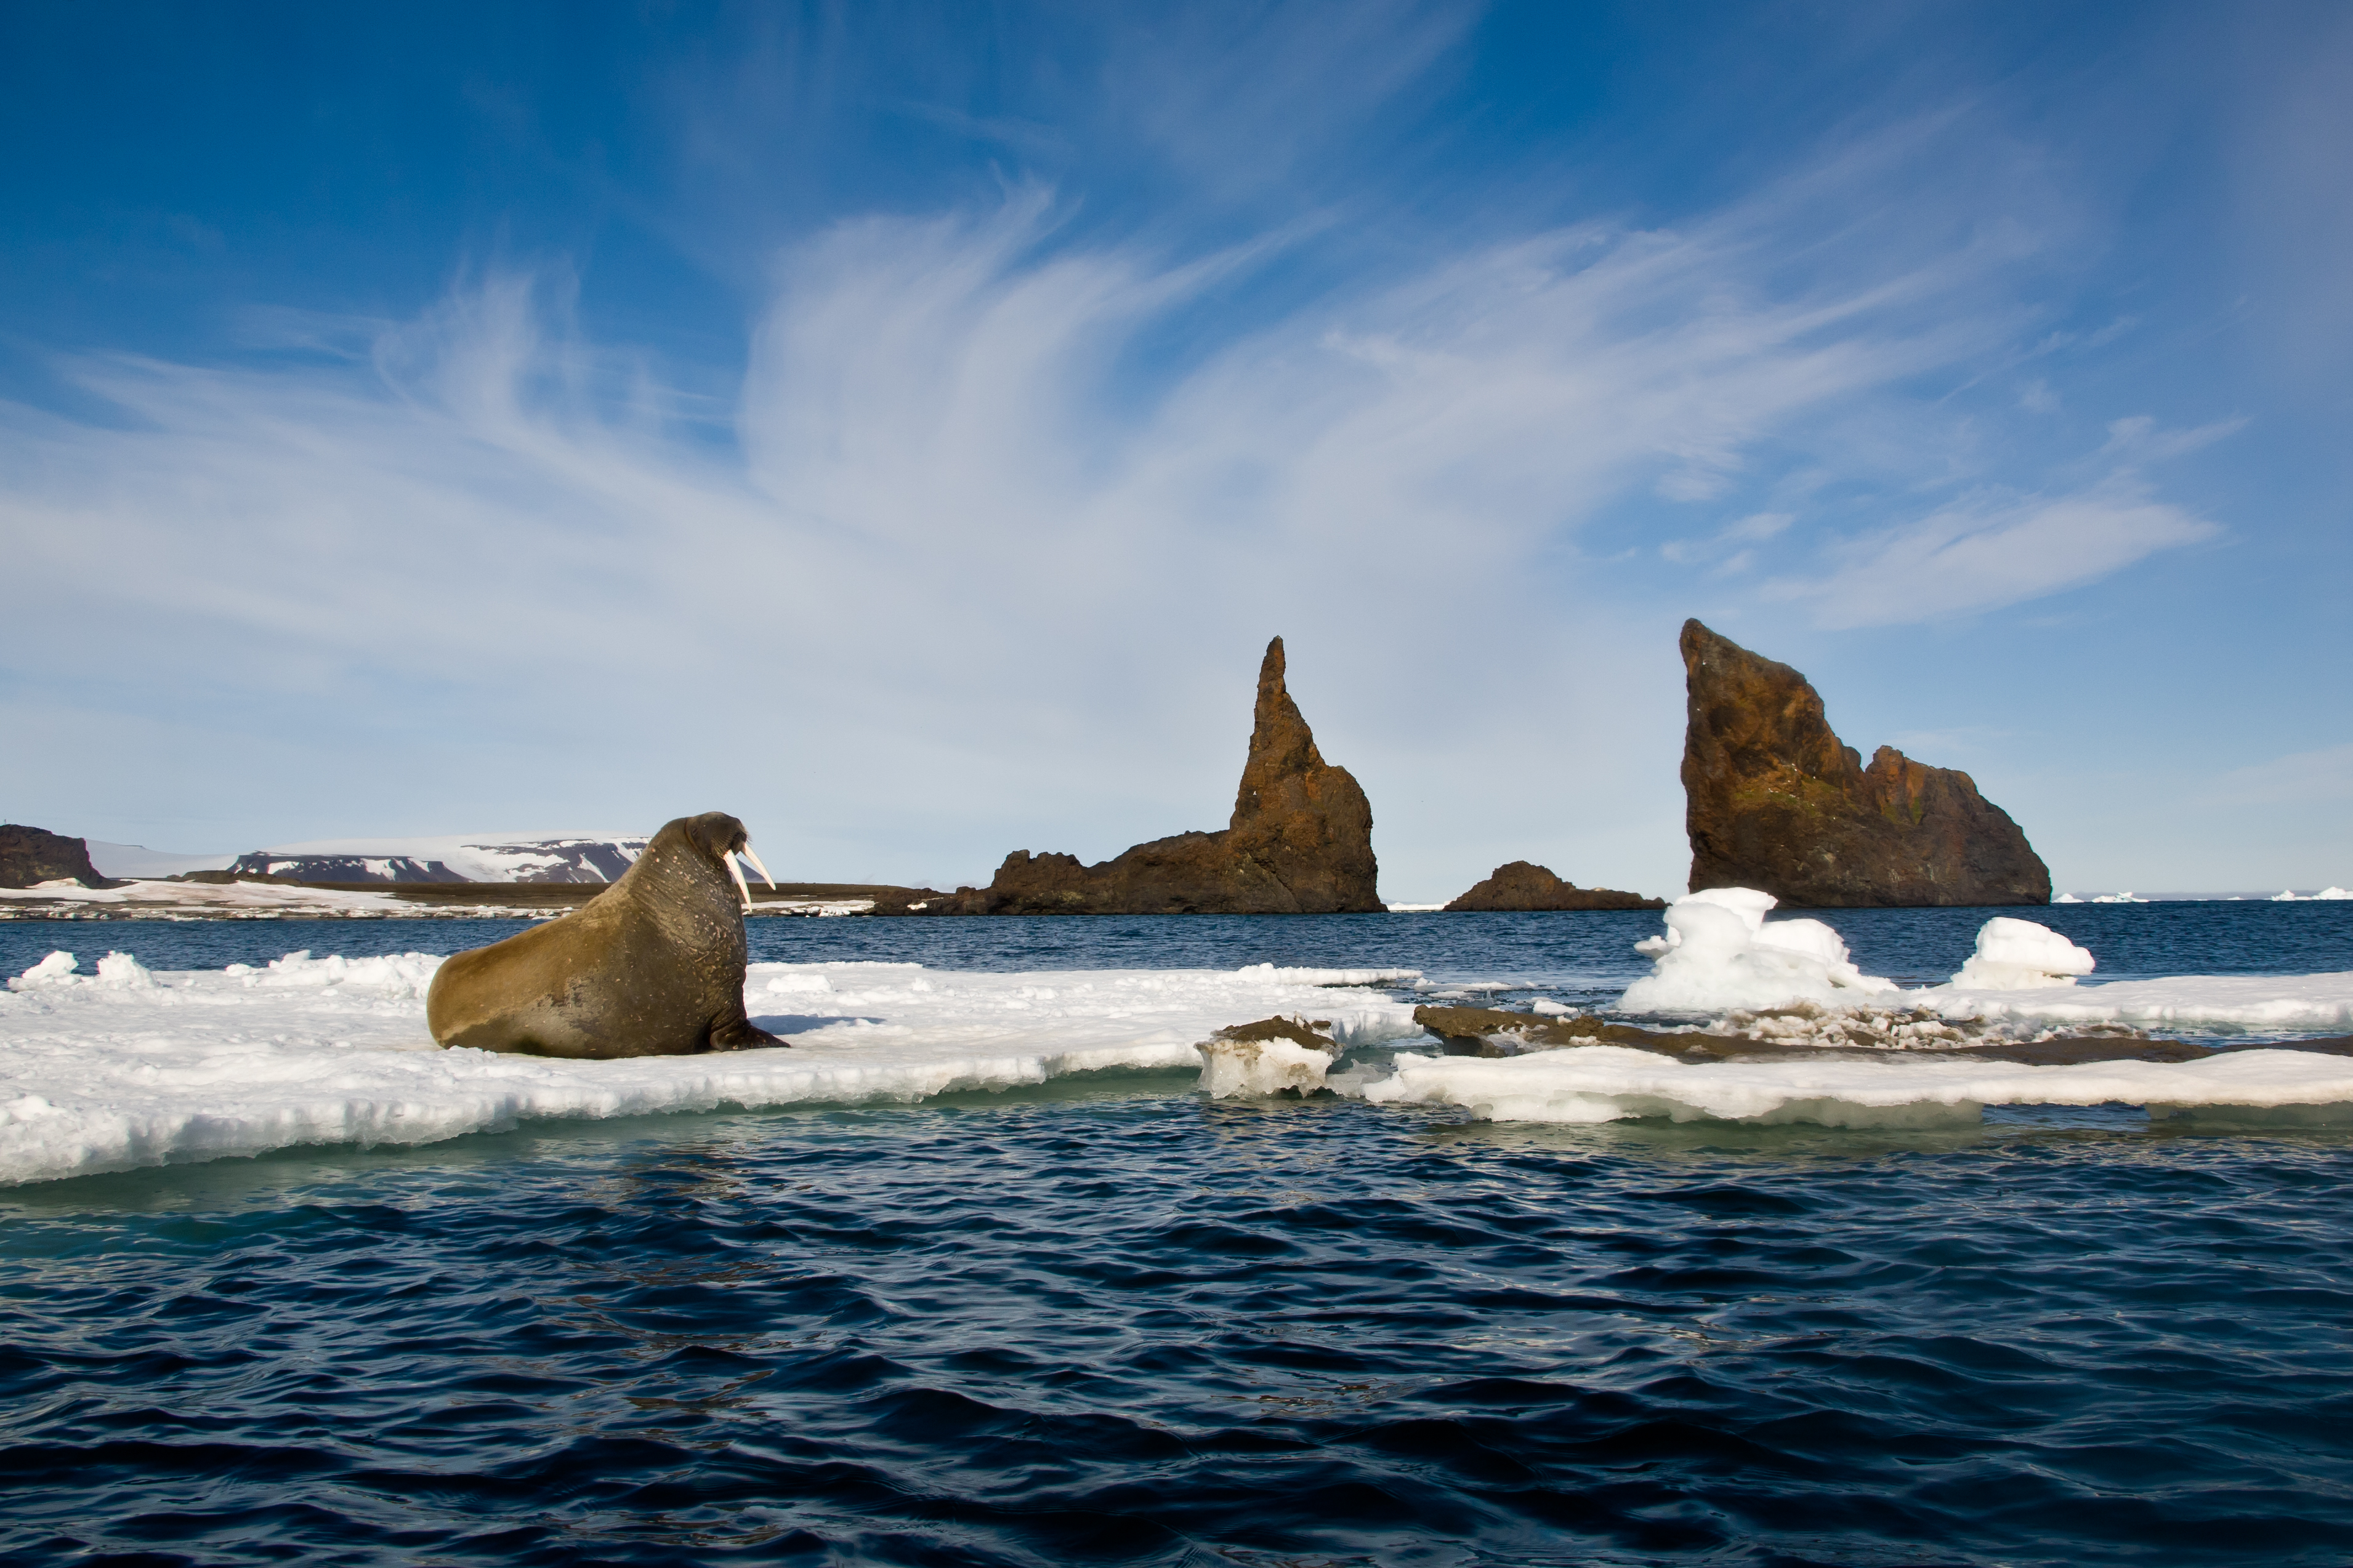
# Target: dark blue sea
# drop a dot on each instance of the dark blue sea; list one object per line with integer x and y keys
{"x": 1108, "y": 1322}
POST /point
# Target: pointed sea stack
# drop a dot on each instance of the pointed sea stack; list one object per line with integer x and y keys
{"x": 1300, "y": 842}
{"x": 1774, "y": 800}
{"x": 1524, "y": 887}
{"x": 31, "y": 856}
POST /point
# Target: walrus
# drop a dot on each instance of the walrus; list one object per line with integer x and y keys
{"x": 653, "y": 966}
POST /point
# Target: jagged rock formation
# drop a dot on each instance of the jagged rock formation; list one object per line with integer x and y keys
{"x": 1774, "y": 800}
{"x": 31, "y": 856}
{"x": 1521, "y": 885}
{"x": 1300, "y": 842}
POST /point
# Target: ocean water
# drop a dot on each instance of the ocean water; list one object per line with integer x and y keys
{"x": 1104, "y": 1321}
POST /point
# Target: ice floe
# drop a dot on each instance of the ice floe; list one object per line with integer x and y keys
{"x": 2186, "y": 1004}
{"x": 113, "y": 1066}
{"x": 2290, "y": 896}
{"x": 1720, "y": 956}
{"x": 1607, "y": 1083}
{"x": 120, "y": 1069}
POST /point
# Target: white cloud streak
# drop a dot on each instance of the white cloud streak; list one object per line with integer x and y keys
{"x": 1983, "y": 555}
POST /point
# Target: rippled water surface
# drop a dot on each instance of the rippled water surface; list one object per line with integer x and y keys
{"x": 1106, "y": 1321}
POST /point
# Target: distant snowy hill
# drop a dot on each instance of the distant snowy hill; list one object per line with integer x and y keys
{"x": 461, "y": 857}
{"x": 138, "y": 860}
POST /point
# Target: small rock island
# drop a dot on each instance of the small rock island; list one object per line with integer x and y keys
{"x": 1521, "y": 885}
{"x": 1300, "y": 842}
{"x": 1774, "y": 800}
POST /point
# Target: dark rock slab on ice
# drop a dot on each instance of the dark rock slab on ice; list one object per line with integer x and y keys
{"x": 1521, "y": 885}
{"x": 1774, "y": 800}
{"x": 1300, "y": 842}
{"x": 31, "y": 856}
{"x": 1308, "y": 1032}
{"x": 1498, "y": 1032}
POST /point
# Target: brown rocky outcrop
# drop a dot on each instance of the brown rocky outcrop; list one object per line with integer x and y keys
{"x": 1300, "y": 842}
{"x": 1774, "y": 800}
{"x": 31, "y": 856}
{"x": 1521, "y": 885}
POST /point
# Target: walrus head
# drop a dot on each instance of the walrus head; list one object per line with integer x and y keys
{"x": 722, "y": 838}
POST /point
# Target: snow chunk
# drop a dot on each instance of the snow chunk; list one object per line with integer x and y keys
{"x": 1235, "y": 1068}
{"x": 58, "y": 969}
{"x": 2019, "y": 955}
{"x": 124, "y": 972}
{"x": 406, "y": 974}
{"x": 1720, "y": 954}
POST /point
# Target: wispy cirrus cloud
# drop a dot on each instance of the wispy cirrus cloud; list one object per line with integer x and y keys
{"x": 958, "y": 457}
{"x": 1985, "y": 554}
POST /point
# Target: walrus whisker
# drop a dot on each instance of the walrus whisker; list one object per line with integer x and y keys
{"x": 757, "y": 867}
{"x": 741, "y": 885}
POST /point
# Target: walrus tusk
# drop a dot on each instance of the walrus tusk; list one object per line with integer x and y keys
{"x": 760, "y": 868}
{"x": 737, "y": 872}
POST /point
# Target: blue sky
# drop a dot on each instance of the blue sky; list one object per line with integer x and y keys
{"x": 903, "y": 426}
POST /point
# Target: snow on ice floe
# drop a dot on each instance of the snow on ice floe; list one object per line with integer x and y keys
{"x": 1720, "y": 952}
{"x": 1608, "y": 1083}
{"x": 122, "y": 1069}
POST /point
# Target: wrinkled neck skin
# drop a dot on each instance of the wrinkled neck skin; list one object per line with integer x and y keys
{"x": 682, "y": 888}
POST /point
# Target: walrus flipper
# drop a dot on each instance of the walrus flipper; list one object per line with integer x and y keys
{"x": 739, "y": 1033}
